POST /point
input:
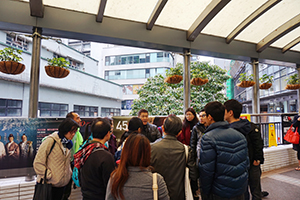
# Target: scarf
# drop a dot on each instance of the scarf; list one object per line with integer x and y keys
{"x": 82, "y": 155}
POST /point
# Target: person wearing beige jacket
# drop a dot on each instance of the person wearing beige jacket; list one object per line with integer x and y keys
{"x": 58, "y": 163}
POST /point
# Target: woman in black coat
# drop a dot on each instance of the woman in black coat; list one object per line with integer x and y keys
{"x": 296, "y": 123}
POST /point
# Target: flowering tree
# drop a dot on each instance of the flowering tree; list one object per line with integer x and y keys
{"x": 161, "y": 98}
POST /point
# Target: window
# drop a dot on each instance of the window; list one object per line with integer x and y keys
{"x": 9, "y": 107}
{"x": 106, "y": 112}
{"x": 88, "y": 111}
{"x": 126, "y": 105}
{"x": 52, "y": 109}
{"x": 17, "y": 42}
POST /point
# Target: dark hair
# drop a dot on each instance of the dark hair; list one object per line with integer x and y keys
{"x": 70, "y": 114}
{"x": 133, "y": 126}
{"x": 136, "y": 152}
{"x": 202, "y": 110}
{"x": 235, "y": 106}
{"x": 23, "y": 135}
{"x": 142, "y": 111}
{"x": 110, "y": 120}
{"x": 216, "y": 110}
{"x": 173, "y": 125}
{"x": 11, "y": 135}
{"x": 193, "y": 122}
{"x": 66, "y": 126}
{"x": 100, "y": 127}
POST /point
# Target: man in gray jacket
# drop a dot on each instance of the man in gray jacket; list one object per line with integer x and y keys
{"x": 168, "y": 159}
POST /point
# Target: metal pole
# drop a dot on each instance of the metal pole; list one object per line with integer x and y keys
{"x": 35, "y": 72}
{"x": 255, "y": 94}
{"x": 298, "y": 91}
{"x": 186, "y": 79}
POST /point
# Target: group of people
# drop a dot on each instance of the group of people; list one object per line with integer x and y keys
{"x": 223, "y": 156}
{"x": 14, "y": 153}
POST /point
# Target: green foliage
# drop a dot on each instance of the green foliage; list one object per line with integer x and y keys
{"x": 60, "y": 62}
{"x": 266, "y": 79}
{"x": 161, "y": 98}
{"x": 293, "y": 79}
{"x": 178, "y": 70}
{"x": 10, "y": 54}
{"x": 244, "y": 77}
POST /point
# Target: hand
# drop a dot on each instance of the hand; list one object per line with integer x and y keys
{"x": 256, "y": 162}
{"x": 298, "y": 119}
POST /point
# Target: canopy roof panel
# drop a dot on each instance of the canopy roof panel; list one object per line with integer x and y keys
{"x": 266, "y": 29}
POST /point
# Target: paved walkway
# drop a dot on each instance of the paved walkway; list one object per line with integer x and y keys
{"x": 282, "y": 184}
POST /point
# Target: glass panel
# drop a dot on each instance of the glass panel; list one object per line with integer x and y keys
{"x": 45, "y": 106}
{"x": 86, "y": 109}
{"x": 276, "y": 85}
{"x": 64, "y": 107}
{"x": 63, "y": 113}
{"x": 13, "y": 112}
{"x": 45, "y": 113}
{"x": 283, "y": 72}
{"x": 3, "y": 102}
{"x": 283, "y": 82}
{"x": 55, "y": 106}
{"x": 2, "y": 112}
{"x": 14, "y": 103}
{"x": 55, "y": 113}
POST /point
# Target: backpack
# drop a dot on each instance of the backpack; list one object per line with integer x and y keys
{"x": 75, "y": 173}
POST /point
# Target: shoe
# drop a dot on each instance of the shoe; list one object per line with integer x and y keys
{"x": 297, "y": 168}
{"x": 264, "y": 194}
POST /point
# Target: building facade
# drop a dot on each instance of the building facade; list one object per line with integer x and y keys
{"x": 82, "y": 90}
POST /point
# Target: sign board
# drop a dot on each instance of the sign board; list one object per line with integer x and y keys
{"x": 272, "y": 135}
{"x": 246, "y": 116}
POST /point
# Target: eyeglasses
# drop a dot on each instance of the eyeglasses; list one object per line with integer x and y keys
{"x": 204, "y": 115}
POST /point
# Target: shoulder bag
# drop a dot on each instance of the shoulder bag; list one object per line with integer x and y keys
{"x": 44, "y": 190}
{"x": 155, "y": 186}
{"x": 187, "y": 184}
{"x": 292, "y": 137}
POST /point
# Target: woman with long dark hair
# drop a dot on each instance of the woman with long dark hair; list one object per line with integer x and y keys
{"x": 190, "y": 120}
{"x": 135, "y": 126}
{"x": 133, "y": 178}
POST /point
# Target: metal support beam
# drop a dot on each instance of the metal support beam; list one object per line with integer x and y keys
{"x": 35, "y": 72}
{"x": 291, "y": 45}
{"x": 36, "y": 8}
{"x": 278, "y": 33}
{"x": 186, "y": 79}
{"x": 155, "y": 13}
{"x": 205, "y": 17}
{"x": 298, "y": 91}
{"x": 255, "y": 93}
{"x": 251, "y": 18}
{"x": 99, "y": 17}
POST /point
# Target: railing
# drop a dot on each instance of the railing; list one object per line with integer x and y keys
{"x": 281, "y": 122}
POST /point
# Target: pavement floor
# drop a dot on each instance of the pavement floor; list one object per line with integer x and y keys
{"x": 282, "y": 184}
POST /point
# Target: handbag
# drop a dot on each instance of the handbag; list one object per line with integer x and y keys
{"x": 155, "y": 186}
{"x": 292, "y": 137}
{"x": 187, "y": 184}
{"x": 43, "y": 190}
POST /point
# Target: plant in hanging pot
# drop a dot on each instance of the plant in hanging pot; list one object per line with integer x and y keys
{"x": 9, "y": 61}
{"x": 265, "y": 82}
{"x": 198, "y": 77}
{"x": 245, "y": 81}
{"x": 293, "y": 82}
{"x": 57, "y": 67}
{"x": 174, "y": 75}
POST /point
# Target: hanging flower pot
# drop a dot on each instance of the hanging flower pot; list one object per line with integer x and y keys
{"x": 198, "y": 81}
{"x": 292, "y": 87}
{"x": 293, "y": 82}
{"x": 265, "y": 86}
{"x": 245, "y": 84}
{"x": 10, "y": 67}
{"x": 10, "y": 58}
{"x": 173, "y": 79}
{"x": 57, "y": 68}
{"x": 56, "y": 72}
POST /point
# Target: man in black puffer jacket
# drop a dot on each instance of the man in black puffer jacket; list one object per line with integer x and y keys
{"x": 223, "y": 158}
{"x": 233, "y": 110}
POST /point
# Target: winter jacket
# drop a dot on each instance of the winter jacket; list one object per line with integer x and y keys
{"x": 58, "y": 162}
{"x": 95, "y": 173}
{"x": 223, "y": 161}
{"x": 139, "y": 186}
{"x": 197, "y": 133}
{"x": 168, "y": 159}
{"x": 151, "y": 132}
{"x": 254, "y": 141}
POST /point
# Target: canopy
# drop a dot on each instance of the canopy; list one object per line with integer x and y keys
{"x": 236, "y": 29}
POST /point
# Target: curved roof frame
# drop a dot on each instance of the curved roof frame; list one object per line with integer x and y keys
{"x": 70, "y": 22}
